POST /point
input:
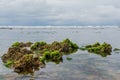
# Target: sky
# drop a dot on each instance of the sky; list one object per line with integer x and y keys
{"x": 59, "y": 12}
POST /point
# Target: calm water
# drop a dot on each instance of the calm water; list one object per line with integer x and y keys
{"x": 83, "y": 66}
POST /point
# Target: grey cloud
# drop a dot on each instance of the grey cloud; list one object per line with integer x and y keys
{"x": 59, "y": 12}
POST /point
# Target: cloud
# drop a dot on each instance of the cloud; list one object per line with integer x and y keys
{"x": 59, "y": 12}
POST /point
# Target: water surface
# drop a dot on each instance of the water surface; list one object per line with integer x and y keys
{"x": 83, "y": 66}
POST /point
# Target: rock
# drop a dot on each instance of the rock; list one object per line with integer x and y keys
{"x": 100, "y": 49}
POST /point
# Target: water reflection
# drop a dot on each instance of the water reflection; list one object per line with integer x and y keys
{"x": 77, "y": 70}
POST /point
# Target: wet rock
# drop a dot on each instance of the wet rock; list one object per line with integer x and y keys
{"x": 100, "y": 49}
{"x": 54, "y": 56}
{"x": 21, "y": 44}
{"x": 12, "y": 54}
{"x": 25, "y": 58}
{"x": 27, "y": 64}
{"x": 38, "y": 45}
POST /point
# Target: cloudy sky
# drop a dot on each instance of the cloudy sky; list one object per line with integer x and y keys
{"x": 59, "y": 12}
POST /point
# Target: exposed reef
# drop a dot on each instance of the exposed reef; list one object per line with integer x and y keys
{"x": 25, "y": 58}
{"x": 100, "y": 49}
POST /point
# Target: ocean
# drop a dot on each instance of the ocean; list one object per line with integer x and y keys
{"x": 83, "y": 66}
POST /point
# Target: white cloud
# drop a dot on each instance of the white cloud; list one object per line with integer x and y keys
{"x": 59, "y": 12}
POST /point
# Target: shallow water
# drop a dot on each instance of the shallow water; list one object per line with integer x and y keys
{"x": 83, "y": 66}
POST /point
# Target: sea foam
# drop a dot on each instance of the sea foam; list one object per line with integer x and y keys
{"x": 7, "y": 27}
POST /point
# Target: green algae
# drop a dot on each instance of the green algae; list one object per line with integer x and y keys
{"x": 26, "y": 58}
{"x": 21, "y": 44}
{"x": 8, "y": 63}
{"x": 100, "y": 49}
{"x": 54, "y": 56}
{"x": 37, "y": 45}
{"x": 68, "y": 58}
{"x": 116, "y": 49}
{"x": 16, "y": 44}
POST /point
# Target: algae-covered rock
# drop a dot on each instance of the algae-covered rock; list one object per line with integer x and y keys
{"x": 21, "y": 44}
{"x": 100, "y": 49}
{"x": 71, "y": 44}
{"x": 8, "y": 63}
{"x": 12, "y": 54}
{"x": 27, "y": 64}
{"x": 15, "y": 53}
{"x": 25, "y": 58}
{"x": 55, "y": 45}
{"x": 66, "y": 46}
{"x": 38, "y": 45}
{"x": 54, "y": 56}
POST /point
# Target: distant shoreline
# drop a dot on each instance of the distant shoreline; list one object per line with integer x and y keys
{"x": 52, "y": 27}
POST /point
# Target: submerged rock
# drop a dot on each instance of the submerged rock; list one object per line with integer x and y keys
{"x": 116, "y": 50}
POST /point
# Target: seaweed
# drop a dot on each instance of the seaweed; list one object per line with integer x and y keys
{"x": 54, "y": 56}
{"x": 21, "y": 44}
{"x": 38, "y": 45}
{"x": 16, "y": 44}
{"x": 27, "y": 64}
{"x": 68, "y": 58}
{"x": 26, "y": 58}
{"x": 116, "y": 50}
{"x": 100, "y": 49}
{"x": 8, "y": 63}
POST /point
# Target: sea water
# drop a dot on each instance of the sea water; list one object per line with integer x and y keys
{"x": 83, "y": 66}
